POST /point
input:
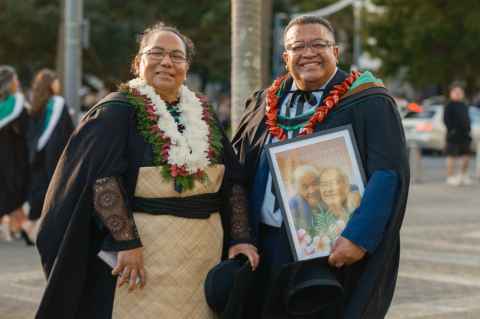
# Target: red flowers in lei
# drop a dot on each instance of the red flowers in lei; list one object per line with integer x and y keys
{"x": 320, "y": 114}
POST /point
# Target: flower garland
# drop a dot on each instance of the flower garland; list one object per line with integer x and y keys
{"x": 182, "y": 156}
{"x": 274, "y": 93}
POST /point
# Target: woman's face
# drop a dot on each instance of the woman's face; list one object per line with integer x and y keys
{"x": 56, "y": 87}
{"x": 163, "y": 63}
{"x": 15, "y": 85}
{"x": 333, "y": 188}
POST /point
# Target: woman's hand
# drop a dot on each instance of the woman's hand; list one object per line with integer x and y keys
{"x": 246, "y": 249}
{"x": 130, "y": 268}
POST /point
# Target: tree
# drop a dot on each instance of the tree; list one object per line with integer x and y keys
{"x": 246, "y": 53}
{"x": 434, "y": 42}
{"x": 29, "y": 34}
{"x": 116, "y": 24}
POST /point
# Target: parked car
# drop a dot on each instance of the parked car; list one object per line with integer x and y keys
{"x": 427, "y": 130}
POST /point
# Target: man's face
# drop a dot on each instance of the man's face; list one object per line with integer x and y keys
{"x": 333, "y": 188}
{"x": 313, "y": 66}
{"x": 308, "y": 189}
{"x": 457, "y": 94}
{"x": 158, "y": 65}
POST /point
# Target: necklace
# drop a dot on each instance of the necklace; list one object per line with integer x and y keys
{"x": 183, "y": 156}
{"x": 274, "y": 93}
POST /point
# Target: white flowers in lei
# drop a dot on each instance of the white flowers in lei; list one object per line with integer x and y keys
{"x": 189, "y": 149}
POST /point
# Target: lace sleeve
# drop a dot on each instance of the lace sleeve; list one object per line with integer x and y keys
{"x": 240, "y": 231}
{"x": 110, "y": 206}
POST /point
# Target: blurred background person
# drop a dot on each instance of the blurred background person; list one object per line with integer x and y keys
{"x": 48, "y": 132}
{"x": 458, "y": 137}
{"x": 13, "y": 151}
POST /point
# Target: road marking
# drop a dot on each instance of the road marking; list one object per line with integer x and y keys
{"x": 440, "y": 257}
{"x": 456, "y": 306}
{"x": 463, "y": 280}
{"x": 475, "y": 235}
{"x": 442, "y": 244}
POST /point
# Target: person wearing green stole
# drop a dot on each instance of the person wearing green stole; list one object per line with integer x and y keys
{"x": 314, "y": 95}
{"x": 13, "y": 151}
{"x": 50, "y": 126}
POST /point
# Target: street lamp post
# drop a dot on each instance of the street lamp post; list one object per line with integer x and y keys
{"x": 73, "y": 54}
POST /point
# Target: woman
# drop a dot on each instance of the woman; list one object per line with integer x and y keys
{"x": 144, "y": 175}
{"x": 334, "y": 189}
{"x": 13, "y": 151}
{"x": 48, "y": 133}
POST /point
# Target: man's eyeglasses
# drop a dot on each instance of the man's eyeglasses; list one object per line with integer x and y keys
{"x": 159, "y": 54}
{"x": 316, "y": 45}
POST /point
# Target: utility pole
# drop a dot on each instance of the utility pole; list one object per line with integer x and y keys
{"x": 73, "y": 55}
{"x": 357, "y": 24}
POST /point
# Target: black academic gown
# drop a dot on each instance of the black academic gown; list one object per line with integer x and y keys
{"x": 376, "y": 124}
{"x": 106, "y": 143}
{"x": 13, "y": 164}
{"x": 43, "y": 162}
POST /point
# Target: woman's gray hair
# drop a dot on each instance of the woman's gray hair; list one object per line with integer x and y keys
{"x": 343, "y": 177}
{"x": 7, "y": 75}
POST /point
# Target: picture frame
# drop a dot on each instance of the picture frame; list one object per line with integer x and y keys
{"x": 319, "y": 181}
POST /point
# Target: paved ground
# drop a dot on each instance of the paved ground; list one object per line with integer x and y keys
{"x": 439, "y": 271}
{"x": 440, "y": 260}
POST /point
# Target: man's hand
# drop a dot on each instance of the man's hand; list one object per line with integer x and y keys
{"x": 344, "y": 252}
{"x": 246, "y": 249}
{"x": 130, "y": 268}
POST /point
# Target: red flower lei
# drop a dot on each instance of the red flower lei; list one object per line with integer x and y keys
{"x": 320, "y": 114}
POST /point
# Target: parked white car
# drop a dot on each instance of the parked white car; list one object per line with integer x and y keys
{"x": 427, "y": 130}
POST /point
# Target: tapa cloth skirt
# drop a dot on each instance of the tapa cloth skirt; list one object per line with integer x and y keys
{"x": 178, "y": 253}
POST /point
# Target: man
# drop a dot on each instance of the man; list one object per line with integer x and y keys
{"x": 315, "y": 96}
{"x": 458, "y": 137}
{"x": 307, "y": 199}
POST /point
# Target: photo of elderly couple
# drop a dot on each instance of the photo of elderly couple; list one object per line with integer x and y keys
{"x": 319, "y": 194}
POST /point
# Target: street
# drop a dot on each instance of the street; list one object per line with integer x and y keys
{"x": 439, "y": 269}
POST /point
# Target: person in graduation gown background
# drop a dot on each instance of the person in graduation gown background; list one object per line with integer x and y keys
{"x": 148, "y": 174}
{"x": 50, "y": 128}
{"x": 314, "y": 95}
{"x": 13, "y": 151}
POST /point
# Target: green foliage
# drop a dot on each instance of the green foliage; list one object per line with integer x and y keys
{"x": 434, "y": 41}
{"x": 116, "y": 25}
{"x": 29, "y": 33}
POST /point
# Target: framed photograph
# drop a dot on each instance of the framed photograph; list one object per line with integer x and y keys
{"x": 319, "y": 182}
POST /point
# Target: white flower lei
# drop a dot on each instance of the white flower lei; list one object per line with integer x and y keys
{"x": 189, "y": 149}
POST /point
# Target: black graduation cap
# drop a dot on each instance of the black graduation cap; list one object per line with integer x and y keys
{"x": 303, "y": 289}
{"x": 227, "y": 285}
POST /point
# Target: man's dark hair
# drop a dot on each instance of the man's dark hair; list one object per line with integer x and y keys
{"x": 306, "y": 19}
{"x": 456, "y": 84}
